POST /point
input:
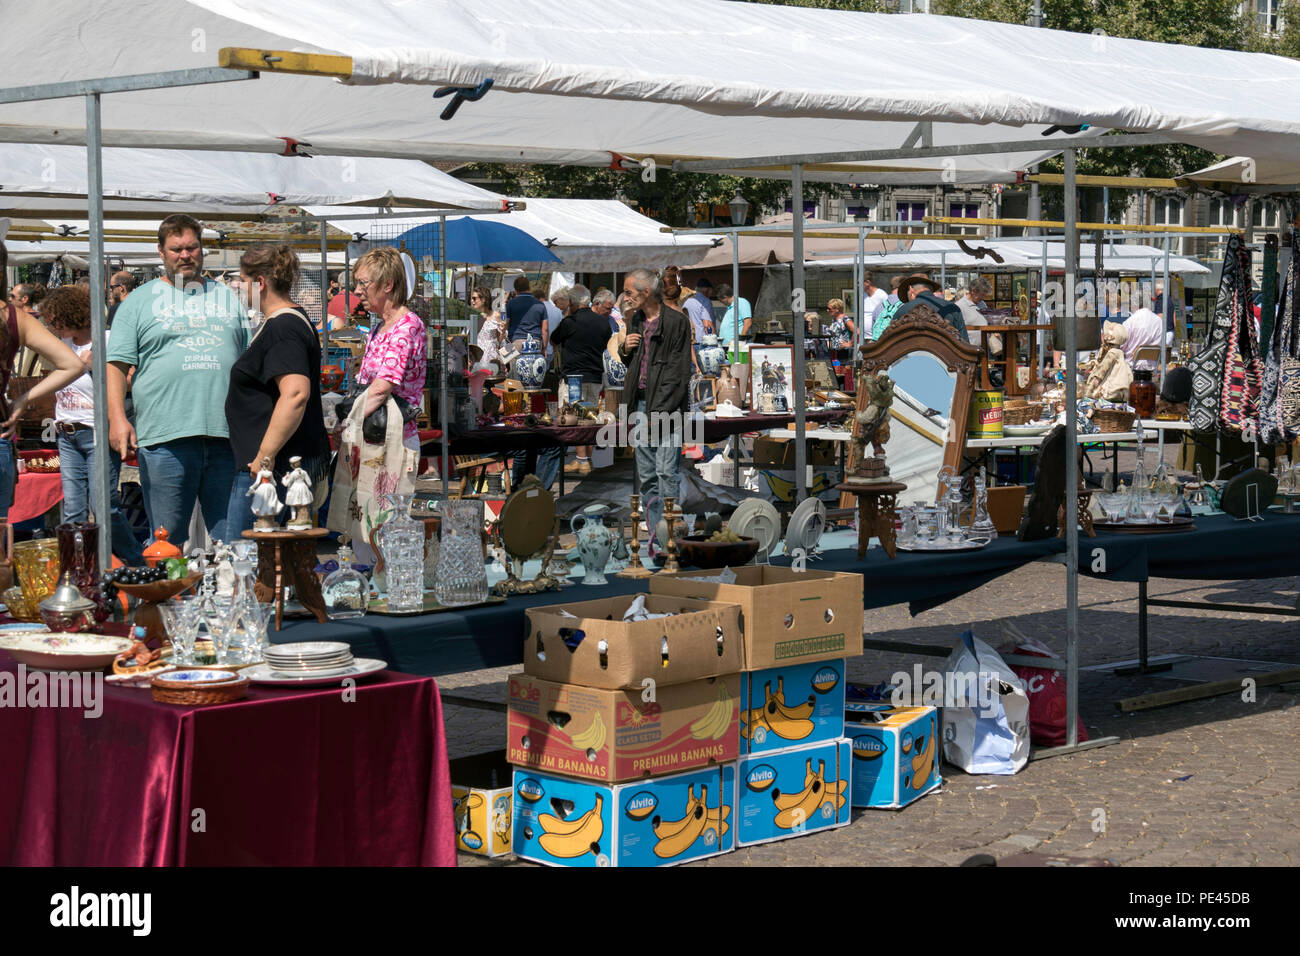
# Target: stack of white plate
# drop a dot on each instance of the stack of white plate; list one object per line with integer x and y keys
{"x": 309, "y": 663}
{"x": 308, "y": 657}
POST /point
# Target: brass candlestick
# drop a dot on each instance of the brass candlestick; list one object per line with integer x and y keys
{"x": 635, "y": 569}
{"x": 670, "y": 519}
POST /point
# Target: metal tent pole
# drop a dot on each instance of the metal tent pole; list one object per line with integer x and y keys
{"x": 1042, "y": 308}
{"x": 943, "y": 269}
{"x": 735, "y": 345}
{"x": 100, "y": 485}
{"x": 442, "y": 353}
{"x": 861, "y": 294}
{"x": 798, "y": 304}
{"x": 324, "y": 286}
{"x": 1071, "y": 459}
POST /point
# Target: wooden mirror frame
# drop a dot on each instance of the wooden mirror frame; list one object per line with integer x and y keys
{"x": 929, "y": 333}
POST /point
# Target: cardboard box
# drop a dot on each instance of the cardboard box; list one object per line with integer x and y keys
{"x": 659, "y": 822}
{"x": 618, "y": 735}
{"x": 791, "y": 706}
{"x": 793, "y": 792}
{"x": 788, "y": 617}
{"x": 597, "y": 648}
{"x": 774, "y": 451}
{"x": 481, "y": 795}
{"x": 895, "y": 753}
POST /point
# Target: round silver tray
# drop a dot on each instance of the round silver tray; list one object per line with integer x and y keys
{"x": 977, "y": 545}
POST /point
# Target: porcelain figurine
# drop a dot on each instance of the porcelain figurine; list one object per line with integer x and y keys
{"x": 266, "y": 503}
{"x": 299, "y": 496}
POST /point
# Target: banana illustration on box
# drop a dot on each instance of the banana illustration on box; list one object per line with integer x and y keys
{"x": 593, "y": 738}
{"x": 677, "y": 836}
{"x": 796, "y": 808}
{"x": 566, "y": 839}
{"x": 463, "y": 806}
{"x": 790, "y": 723}
{"x": 923, "y": 763}
{"x": 717, "y": 721}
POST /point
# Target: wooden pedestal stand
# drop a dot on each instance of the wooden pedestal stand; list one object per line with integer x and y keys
{"x": 876, "y": 513}
{"x": 288, "y": 557}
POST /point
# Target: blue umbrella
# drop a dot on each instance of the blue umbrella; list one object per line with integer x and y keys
{"x": 477, "y": 242}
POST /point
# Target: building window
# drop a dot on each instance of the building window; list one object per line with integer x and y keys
{"x": 809, "y": 206}
{"x": 911, "y": 212}
{"x": 964, "y": 210}
{"x": 1264, "y": 215}
{"x": 855, "y": 212}
{"x": 1266, "y": 14}
{"x": 1168, "y": 211}
{"x": 1222, "y": 215}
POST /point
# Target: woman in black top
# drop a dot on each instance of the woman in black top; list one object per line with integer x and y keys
{"x": 273, "y": 406}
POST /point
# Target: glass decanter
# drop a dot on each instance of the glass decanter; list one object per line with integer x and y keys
{"x": 462, "y": 575}
{"x": 981, "y": 523}
{"x": 1140, "y": 490}
{"x": 345, "y": 590}
{"x": 401, "y": 541}
{"x": 1285, "y": 477}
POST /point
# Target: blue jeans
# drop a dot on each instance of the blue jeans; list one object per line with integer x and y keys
{"x": 657, "y": 472}
{"x": 545, "y": 464}
{"x": 77, "y": 468}
{"x": 175, "y": 474}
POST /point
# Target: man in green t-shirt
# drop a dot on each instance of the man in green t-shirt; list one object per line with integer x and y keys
{"x": 181, "y": 334}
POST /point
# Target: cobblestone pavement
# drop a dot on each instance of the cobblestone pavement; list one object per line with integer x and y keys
{"x": 1211, "y": 782}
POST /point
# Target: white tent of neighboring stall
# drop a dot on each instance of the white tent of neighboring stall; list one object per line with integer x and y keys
{"x": 1116, "y": 258}
{"x": 588, "y": 235}
{"x": 1242, "y": 173}
{"x": 208, "y": 177}
{"x": 935, "y": 254}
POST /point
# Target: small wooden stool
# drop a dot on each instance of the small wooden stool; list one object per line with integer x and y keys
{"x": 877, "y": 506}
{"x": 289, "y": 559}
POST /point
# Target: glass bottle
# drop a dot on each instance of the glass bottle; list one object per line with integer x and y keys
{"x": 1142, "y": 394}
{"x": 462, "y": 576}
{"x": 401, "y": 541}
{"x": 345, "y": 590}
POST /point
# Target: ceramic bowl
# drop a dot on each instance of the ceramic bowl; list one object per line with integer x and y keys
{"x": 699, "y": 551}
{"x": 65, "y": 652}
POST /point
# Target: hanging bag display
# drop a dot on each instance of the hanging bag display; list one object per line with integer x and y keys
{"x": 1279, "y": 415}
{"x": 1243, "y": 371}
{"x": 1208, "y": 365}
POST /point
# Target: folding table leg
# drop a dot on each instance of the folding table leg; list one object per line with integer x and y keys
{"x": 1143, "y": 665}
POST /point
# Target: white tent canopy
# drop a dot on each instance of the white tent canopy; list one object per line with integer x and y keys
{"x": 588, "y": 235}
{"x": 1245, "y": 171}
{"x": 222, "y": 178}
{"x": 1020, "y": 255}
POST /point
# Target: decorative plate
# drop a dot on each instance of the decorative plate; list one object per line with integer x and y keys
{"x": 193, "y": 676}
{"x": 1026, "y": 431}
{"x": 526, "y": 520}
{"x": 64, "y": 652}
{"x": 266, "y": 674}
{"x": 756, "y": 518}
{"x": 806, "y": 525}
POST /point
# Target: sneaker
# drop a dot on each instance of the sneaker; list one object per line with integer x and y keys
{"x": 578, "y": 467}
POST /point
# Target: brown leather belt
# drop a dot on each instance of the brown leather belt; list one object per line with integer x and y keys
{"x": 69, "y": 428}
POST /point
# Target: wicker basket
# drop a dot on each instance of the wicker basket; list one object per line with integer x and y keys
{"x": 1021, "y": 413}
{"x": 171, "y": 692}
{"x": 1112, "y": 421}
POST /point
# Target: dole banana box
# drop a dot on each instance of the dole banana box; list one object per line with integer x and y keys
{"x": 659, "y": 822}
{"x": 790, "y": 793}
{"x": 787, "y": 616}
{"x": 895, "y": 753}
{"x": 791, "y": 706}
{"x": 613, "y": 736}
{"x": 589, "y": 643}
{"x": 481, "y": 796}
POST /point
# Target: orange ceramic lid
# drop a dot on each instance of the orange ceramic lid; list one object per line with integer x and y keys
{"x": 161, "y": 550}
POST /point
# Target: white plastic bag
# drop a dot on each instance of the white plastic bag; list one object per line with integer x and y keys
{"x": 986, "y": 712}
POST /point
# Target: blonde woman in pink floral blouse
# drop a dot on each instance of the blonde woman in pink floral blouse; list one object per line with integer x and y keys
{"x": 393, "y": 366}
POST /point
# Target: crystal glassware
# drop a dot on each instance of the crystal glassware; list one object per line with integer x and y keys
{"x": 256, "y": 617}
{"x": 462, "y": 576}
{"x": 189, "y": 612}
{"x": 401, "y": 541}
{"x": 221, "y": 618}
{"x": 170, "y": 612}
{"x": 345, "y": 589}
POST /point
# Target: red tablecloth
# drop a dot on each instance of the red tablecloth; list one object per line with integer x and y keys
{"x": 34, "y": 494}
{"x": 284, "y": 777}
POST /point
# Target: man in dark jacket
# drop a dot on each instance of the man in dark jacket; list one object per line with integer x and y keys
{"x": 657, "y": 351}
{"x": 583, "y": 336}
{"x": 919, "y": 290}
{"x": 525, "y": 316}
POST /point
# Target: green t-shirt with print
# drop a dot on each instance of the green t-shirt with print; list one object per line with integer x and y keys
{"x": 182, "y": 343}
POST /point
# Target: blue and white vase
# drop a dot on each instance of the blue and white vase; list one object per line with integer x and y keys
{"x": 595, "y": 543}
{"x": 575, "y": 388}
{"x": 615, "y": 371}
{"x": 712, "y": 356}
{"x": 530, "y": 367}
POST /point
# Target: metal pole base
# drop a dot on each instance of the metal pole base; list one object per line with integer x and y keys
{"x": 1042, "y": 753}
{"x": 1141, "y": 669}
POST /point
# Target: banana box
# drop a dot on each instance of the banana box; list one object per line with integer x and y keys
{"x": 791, "y": 706}
{"x": 613, "y": 736}
{"x": 793, "y": 792}
{"x": 659, "y": 822}
{"x": 589, "y": 643}
{"x": 481, "y": 788}
{"x": 787, "y": 616}
{"x": 895, "y": 753}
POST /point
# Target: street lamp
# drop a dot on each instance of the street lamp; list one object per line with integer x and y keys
{"x": 739, "y": 209}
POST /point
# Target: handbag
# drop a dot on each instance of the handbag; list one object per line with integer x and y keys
{"x": 1208, "y": 365}
{"x": 1279, "y": 414}
{"x": 375, "y": 425}
{"x": 1243, "y": 371}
